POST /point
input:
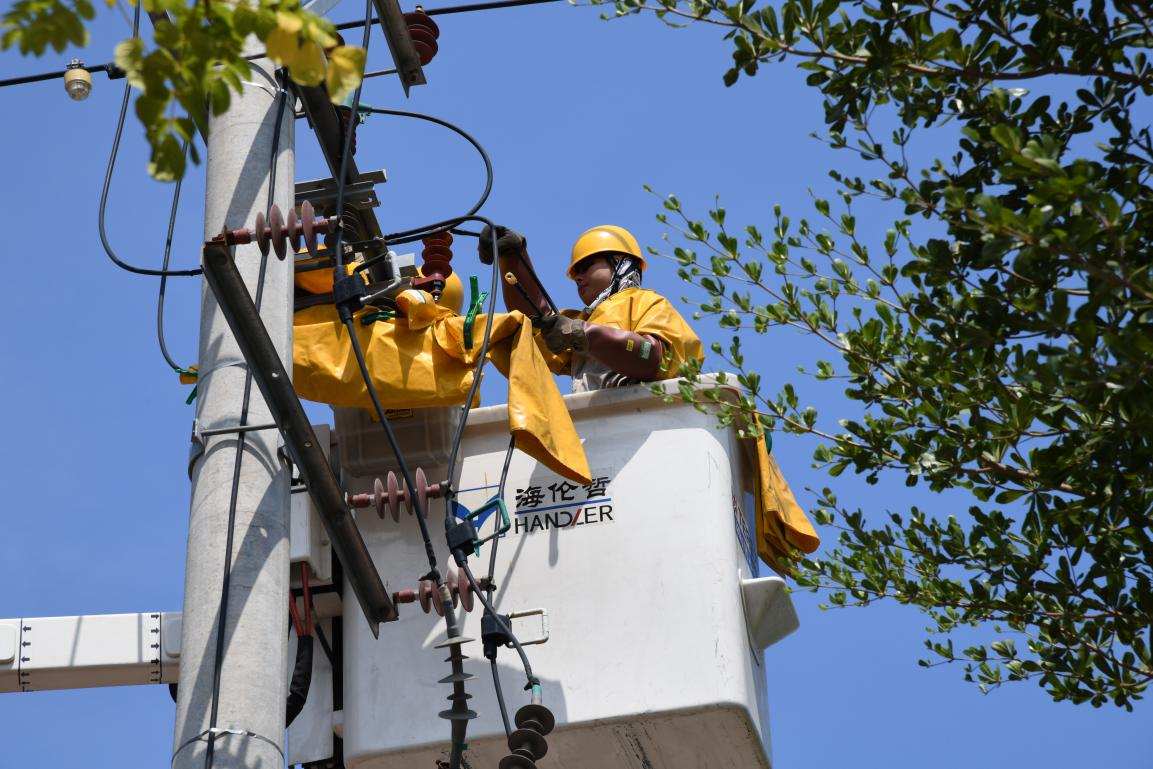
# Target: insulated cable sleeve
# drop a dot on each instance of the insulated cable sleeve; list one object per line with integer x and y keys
{"x": 301, "y": 679}
{"x": 108, "y": 183}
{"x": 500, "y": 699}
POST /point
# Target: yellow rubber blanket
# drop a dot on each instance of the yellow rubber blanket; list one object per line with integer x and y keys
{"x": 421, "y": 360}
{"x": 782, "y": 526}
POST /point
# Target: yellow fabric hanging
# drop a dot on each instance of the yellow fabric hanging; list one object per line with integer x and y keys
{"x": 643, "y": 312}
{"x": 421, "y": 360}
{"x": 782, "y": 525}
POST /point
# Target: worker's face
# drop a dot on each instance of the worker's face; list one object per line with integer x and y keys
{"x": 592, "y": 276}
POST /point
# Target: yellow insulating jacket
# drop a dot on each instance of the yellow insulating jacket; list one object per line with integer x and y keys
{"x": 421, "y": 360}
{"x": 782, "y": 526}
{"x": 643, "y": 312}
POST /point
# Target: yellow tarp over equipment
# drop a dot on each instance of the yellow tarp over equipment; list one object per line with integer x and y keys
{"x": 422, "y": 360}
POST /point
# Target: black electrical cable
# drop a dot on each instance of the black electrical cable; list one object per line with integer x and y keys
{"x": 338, "y": 274}
{"x": 164, "y": 268}
{"x": 407, "y": 236}
{"x": 114, "y": 73}
{"x": 482, "y": 6}
{"x": 480, "y": 594}
{"x": 500, "y": 698}
{"x": 345, "y": 154}
{"x": 324, "y": 644}
{"x": 241, "y": 440}
{"x": 455, "y": 9}
{"x": 346, "y": 316}
{"x": 108, "y": 183}
{"x": 500, "y": 495}
{"x": 482, "y": 356}
{"x": 421, "y": 520}
{"x": 491, "y": 586}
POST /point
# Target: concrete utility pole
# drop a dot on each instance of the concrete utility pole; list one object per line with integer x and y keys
{"x": 249, "y": 717}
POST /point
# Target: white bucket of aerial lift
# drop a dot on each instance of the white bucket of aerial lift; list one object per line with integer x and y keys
{"x": 656, "y": 622}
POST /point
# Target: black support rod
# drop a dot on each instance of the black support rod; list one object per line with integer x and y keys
{"x": 264, "y": 362}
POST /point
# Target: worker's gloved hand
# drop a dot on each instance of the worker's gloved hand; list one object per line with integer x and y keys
{"x": 562, "y": 333}
{"x": 509, "y": 243}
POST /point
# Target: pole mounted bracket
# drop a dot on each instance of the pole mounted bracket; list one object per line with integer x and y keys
{"x": 301, "y": 442}
{"x": 400, "y": 44}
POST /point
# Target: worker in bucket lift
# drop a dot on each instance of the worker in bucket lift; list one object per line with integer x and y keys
{"x": 624, "y": 335}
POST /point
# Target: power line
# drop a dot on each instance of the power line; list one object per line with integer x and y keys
{"x": 455, "y": 9}
{"x": 115, "y": 73}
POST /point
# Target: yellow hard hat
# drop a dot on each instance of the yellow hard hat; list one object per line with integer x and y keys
{"x": 453, "y": 295}
{"x": 605, "y": 239}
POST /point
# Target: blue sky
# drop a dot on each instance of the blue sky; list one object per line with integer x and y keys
{"x": 577, "y": 114}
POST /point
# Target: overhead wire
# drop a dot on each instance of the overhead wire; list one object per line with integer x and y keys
{"x": 164, "y": 268}
{"x": 115, "y": 72}
{"x": 454, "y": 9}
{"x": 416, "y": 233}
{"x": 490, "y": 585}
{"x": 108, "y": 183}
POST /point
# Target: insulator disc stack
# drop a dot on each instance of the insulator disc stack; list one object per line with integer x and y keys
{"x": 426, "y": 593}
{"x": 437, "y": 255}
{"x": 528, "y": 743}
{"x": 278, "y": 232}
{"x": 459, "y": 697}
{"x": 393, "y": 491}
{"x": 424, "y": 33}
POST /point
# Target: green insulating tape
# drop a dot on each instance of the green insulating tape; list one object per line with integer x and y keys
{"x": 496, "y": 503}
{"x": 372, "y": 317}
{"x": 187, "y": 372}
{"x": 474, "y": 304}
{"x": 191, "y": 396}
